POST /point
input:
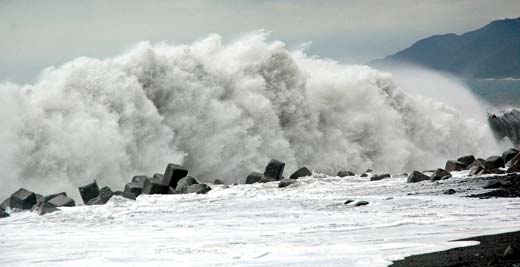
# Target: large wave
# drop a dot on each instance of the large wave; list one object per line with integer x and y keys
{"x": 506, "y": 125}
{"x": 222, "y": 110}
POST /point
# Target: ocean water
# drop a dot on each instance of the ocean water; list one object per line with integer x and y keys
{"x": 305, "y": 224}
{"x": 501, "y": 93}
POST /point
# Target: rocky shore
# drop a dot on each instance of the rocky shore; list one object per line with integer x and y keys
{"x": 501, "y": 173}
{"x": 466, "y": 176}
{"x": 175, "y": 180}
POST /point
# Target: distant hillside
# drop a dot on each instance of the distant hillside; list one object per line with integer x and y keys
{"x": 492, "y": 51}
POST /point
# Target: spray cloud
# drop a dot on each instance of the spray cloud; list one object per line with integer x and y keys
{"x": 222, "y": 110}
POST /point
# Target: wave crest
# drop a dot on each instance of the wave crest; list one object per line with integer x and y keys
{"x": 223, "y": 110}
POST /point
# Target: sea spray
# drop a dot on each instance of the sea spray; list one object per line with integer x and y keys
{"x": 222, "y": 110}
{"x": 506, "y": 125}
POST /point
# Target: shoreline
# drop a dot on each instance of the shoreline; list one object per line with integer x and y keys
{"x": 489, "y": 252}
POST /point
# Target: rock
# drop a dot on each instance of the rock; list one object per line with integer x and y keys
{"x": 62, "y": 201}
{"x": 184, "y": 183}
{"x": 467, "y": 160}
{"x": 274, "y": 169}
{"x": 286, "y": 183}
{"x": 494, "y": 162}
{"x": 218, "y": 181}
{"x": 369, "y": 170}
{"x": 254, "y": 177}
{"x": 103, "y": 197}
{"x": 497, "y": 171}
{"x": 439, "y": 173}
{"x": 3, "y": 214}
{"x": 514, "y": 164}
{"x": 475, "y": 169}
{"x": 345, "y": 173}
{"x": 301, "y": 172}
{"x": 477, "y": 162}
{"x": 5, "y": 204}
{"x": 43, "y": 208}
{"x": 140, "y": 178}
{"x": 361, "y": 203}
{"x": 125, "y": 195}
{"x": 513, "y": 170}
{"x": 349, "y": 201}
{"x": 22, "y": 199}
{"x": 135, "y": 188}
{"x": 39, "y": 198}
{"x": 266, "y": 180}
{"x": 454, "y": 165}
{"x": 450, "y": 192}
{"x": 89, "y": 191}
{"x": 364, "y": 175}
{"x": 198, "y": 188}
{"x": 155, "y": 186}
{"x": 493, "y": 184}
{"x": 510, "y": 154}
{"x": 417, "y": 176}
{"x": 173, "y": 174}
{"x": 377, "y": 177}
{"x": 158, "y": 176}
{"x": 51, "y": 196}
{"x": 171, "y": 191}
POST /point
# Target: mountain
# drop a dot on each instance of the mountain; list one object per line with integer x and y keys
{"x": 492, "y": 51}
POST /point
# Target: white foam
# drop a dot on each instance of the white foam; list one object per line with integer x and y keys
{"x": 305, "y": 224}
{"x": 223, "y": 110}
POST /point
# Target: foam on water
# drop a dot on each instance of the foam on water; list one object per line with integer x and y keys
{"x": 222, "y": 110}
{"x": 305, "y": 224}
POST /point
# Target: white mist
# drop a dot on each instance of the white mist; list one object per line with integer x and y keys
{"x": 222, "y": 110}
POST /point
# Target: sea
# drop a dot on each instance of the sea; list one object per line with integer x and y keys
{"x": 496, "y": 92}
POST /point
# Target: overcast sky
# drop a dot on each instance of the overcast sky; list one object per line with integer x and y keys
{"x": 36, "y": 34}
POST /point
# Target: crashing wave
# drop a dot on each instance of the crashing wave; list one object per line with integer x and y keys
{"x": 506, "y": 124}
{"x": 222, "y": 110}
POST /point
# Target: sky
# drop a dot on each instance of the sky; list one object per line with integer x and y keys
{"x": 38, "y": 34}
